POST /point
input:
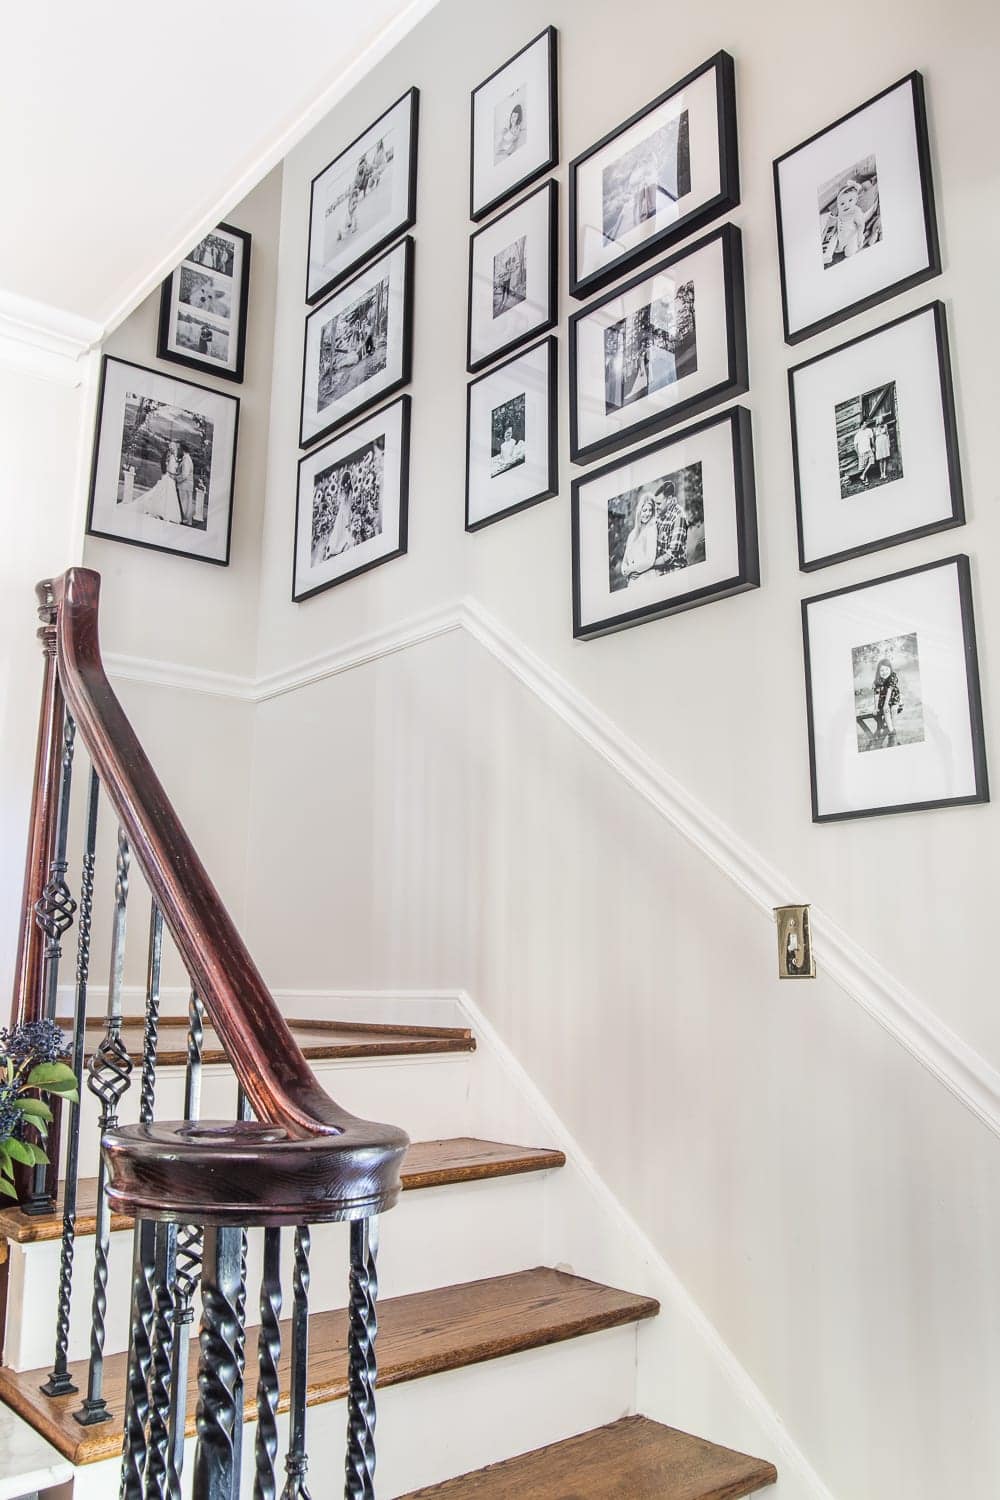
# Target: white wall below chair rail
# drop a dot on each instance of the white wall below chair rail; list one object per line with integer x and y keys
{"x": 860, "y": 974}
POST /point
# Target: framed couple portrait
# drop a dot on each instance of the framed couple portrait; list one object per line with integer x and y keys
{"x": 203, "y": 306}
{"x": 514, "y": 133}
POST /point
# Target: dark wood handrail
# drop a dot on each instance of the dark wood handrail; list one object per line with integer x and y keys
{"x": 266, "y": 1058}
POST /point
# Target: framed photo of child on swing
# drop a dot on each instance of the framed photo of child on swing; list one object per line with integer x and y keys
{"x": 855, "y": 207}
{"x": 892, "y": 694}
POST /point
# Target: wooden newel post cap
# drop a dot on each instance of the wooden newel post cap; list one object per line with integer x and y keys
{"x": 245, "y": 1174}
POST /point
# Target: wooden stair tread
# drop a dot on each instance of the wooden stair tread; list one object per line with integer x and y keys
{"x": 424, "y": 1333}
{"x": 427, "y": 1164}
{"x": 634, "y": 1459}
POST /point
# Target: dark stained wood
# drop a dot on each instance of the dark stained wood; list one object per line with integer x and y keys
{"x": 423, "y": 1334}
{"x": 426, "y": 1164}
{"x": 634, "y": 1459}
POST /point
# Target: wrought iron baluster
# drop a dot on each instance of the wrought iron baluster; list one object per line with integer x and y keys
{"x": 151, "y": 1028}
{"x": 220, "y": 1432}
{"x": 161, "y": 1393}
{"x": 268, "y": 1353}
{"x": 361, "y": 1361}
{"x": 110, "y": 1068}
{"x": 296, "y": 1459}
{"x": 59, "y": 1382}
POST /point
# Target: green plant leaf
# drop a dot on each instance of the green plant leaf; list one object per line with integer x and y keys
{"x": 6, "y": 1165}
{"x": 20, "y": 1151}
{"x": 34, "y": 1107}
{"x": 6, "y": 1188}
{"x": 55, "y": 1076}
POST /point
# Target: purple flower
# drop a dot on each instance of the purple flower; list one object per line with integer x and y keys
{"x": 39, "y": 1041}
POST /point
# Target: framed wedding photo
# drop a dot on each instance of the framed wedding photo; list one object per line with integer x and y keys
{"x": 512, "y": 277}
{"x": 164, "y": 463}
{"x": 364, "y": 199}
{"x": 667, "y": 345}
{"x": 666, "y": 529}
{"x": 203, "y": 305}
{"x": 515, "y": 125}
{"x": 855, "y": 206}
{"x": 511, "y": 456}
{"x": 875, "y": 442}
{"x": 358, "y": 345}
{"x": 351, "y": 502}
{"x": 892, "y": 695}
{"x": 663, "y": 174}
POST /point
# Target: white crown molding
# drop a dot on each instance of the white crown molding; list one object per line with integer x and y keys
{"x": 45, "y": 341}
{"x": 960, "y": 1068}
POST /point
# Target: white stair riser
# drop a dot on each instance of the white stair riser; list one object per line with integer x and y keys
{"x": 434, "y": 1237}
{"x": 432, "y": 1429}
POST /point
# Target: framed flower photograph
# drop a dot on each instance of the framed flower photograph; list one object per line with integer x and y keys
{"x": 358, "y": 345}
{"x": 875, "y": 441}
{"x": 203, "y": 305}
{"x": 364, "y": 199}
{"x": 512, "y": 277}
{"x": 662, "y": 174}
{"x": 892, "y": 694}
{"x": 511, "y": 457}
{"x": 855, "y": 205}
{"x": 164, "y": 463}
{"x": 515, "y": 125}
{"x": 667, "y": 345}
{"x": 351, "y": 502}
{"x": 667, "y": 528}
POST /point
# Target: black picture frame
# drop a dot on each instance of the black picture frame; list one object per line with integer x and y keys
{"x": 551, "y": 318}
{"x": 209, "y": 366}
{"x": 551, "y": 486}
{"x": 400, "y": 226}
{"x": 747, "y": 576}
{"x": 950, "y": 427}
{"x": 698, "y": 218}
{"x": 107, "y": 361}
{"x": 482, "y": 211}
{"x": 736, "y": 383}
{"x": 960, "y": 562}
{"x": 929, "y": 215}
{"x": 384, "y": 392}
{"x": 405, "y": 404}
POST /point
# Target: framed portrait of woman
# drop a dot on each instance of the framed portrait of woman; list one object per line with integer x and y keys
{"x": 511, "y": 455}
{"x": 513, "y": 293}
{"x": 514, "y": 133}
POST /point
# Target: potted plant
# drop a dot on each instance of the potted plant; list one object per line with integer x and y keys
{"x": 32, "y": 1069}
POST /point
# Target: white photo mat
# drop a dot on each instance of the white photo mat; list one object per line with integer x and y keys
{"x": 525, "y": 82}
{"x": 527, "y": 378}
{"x": 493, "y": 332}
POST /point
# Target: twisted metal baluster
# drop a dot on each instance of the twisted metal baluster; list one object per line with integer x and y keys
{"x": 361, "y": 1363}
{"x": 110, "y": 1068}
{"x": 54, "y": 911}
{"x": 151, "y": 1029}
{"x": 296, "y": 1459}
{"x": 265, "y": 1486}
{"x": 217, "y": 1455}
{"x": 161, "y": 1374}
{"x": 59, "y": 1382}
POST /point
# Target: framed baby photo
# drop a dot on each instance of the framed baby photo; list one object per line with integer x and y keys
{"x": 358, "y": 345}
{"x": 512, "y": 277}
{"x": 874, "y": 441}
{"x": 203, "y": 305}
{"x": 662, "y": 174}
{"x": 515, "y": 125}
{"x": 164, "y": 463}
{"x": 351, "y": 502}
{"x": 364, "y": 199}
{"x": 892, "y": 694}
{"x": 667, "y": 345}
{"x": 855, "y": 205}
{"x": 511, "y": 458}
{"x": 667, "y": 528}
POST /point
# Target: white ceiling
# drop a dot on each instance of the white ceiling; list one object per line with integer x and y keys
{"x": 127, "y": 127}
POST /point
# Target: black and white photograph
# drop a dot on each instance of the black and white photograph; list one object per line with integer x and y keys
{"x": 351, "y": 502}
{"x": 511, "y": 449}
{"x": 364, "y": 198}
{"x": 164, "y": 460}
{"x": 669, "y": 344}
{"x": 514, "y": 137}
{"x": 667, "y": 171}
{"x": 874, "y": 441}
{"x": 512, "y": 277}
{"x": 203, "y": 305}
{"x": 892, "y": 694}
{"x": 667, "y": 528}
{"x": 855, "y": 206}
{"x": 357, "y": 345}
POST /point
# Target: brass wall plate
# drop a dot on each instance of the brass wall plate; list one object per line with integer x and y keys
{"x": 795, "y": 950}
